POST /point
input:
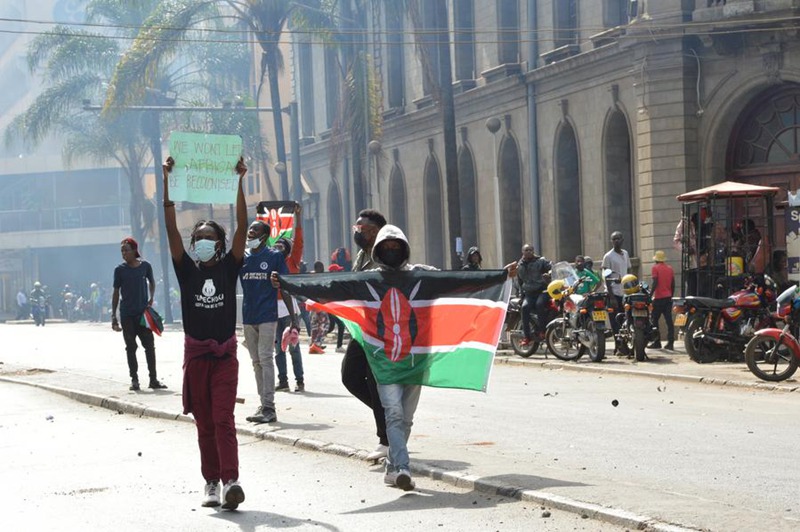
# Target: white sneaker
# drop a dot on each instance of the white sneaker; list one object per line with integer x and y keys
{"x": 232, "y": 494}
{"x": 211, "y": 491}
{"x": 381, "y": 451}
{"x": 400, "y": 478}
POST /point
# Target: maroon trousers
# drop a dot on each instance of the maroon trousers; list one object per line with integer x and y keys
{"x": 211, "y": 383}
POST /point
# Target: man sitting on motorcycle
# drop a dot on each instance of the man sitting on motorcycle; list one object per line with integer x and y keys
{"x": 532, "y": 278}
{"x": 590, "y": 279}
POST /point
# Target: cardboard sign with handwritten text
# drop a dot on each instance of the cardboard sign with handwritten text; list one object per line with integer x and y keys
{"x": 205, "y": 167}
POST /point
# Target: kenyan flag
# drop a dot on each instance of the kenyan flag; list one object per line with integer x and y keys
{"x": 279, "y": 215}
{"x": 433, "y": 328}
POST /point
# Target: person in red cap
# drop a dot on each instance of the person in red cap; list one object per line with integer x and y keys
{"x": 134, "y": 281}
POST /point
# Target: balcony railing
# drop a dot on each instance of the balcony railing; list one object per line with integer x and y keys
{"x": 64, "y": 218}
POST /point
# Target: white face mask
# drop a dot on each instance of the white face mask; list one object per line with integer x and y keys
{"x": 205, "y": 250}
{"x": 253, "y": 244}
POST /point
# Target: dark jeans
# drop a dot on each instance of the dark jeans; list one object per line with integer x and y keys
{"x": 615, "y": 302}
{"x": 538, "y": 303}
{"x": 336, "y": 322}
{"x": 131, "y": 329}
{"x": 663, "y": 307}
{"x": 280, "y": 354}
{"x": 357, "y": 377}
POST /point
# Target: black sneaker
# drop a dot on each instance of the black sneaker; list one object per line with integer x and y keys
{"x": 155, "y": 385}
{"x": 282, "y": 387}
{"x": 134, "y": 386}
{"x": 301, "y": 387}
{"x": 257, "y": 417}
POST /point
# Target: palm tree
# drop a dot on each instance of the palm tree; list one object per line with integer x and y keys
{"x": 75, "y": 65}
{"x": 161, "y": 34}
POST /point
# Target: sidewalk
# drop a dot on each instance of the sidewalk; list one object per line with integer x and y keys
{"x": 326, "y": 419}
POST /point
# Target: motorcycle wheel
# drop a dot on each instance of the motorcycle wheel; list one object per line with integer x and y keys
{"x": 693, "y": 345}
{"x": 639, "y": 342}
{"x": 769, "y": 361}
{"x": 522, "y": 350}
{"x": 599, "y": 352}
{"x": 560, "y": 342}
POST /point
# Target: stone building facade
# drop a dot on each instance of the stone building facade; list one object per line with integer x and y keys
{"x": 601, "y": 113}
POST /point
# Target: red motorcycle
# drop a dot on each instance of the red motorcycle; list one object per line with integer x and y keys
{"x": 773, "y": 354}
{"x": 720, "y": 328}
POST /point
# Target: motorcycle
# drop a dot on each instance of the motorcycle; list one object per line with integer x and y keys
{"x": 636, "y": 330}
{"x": 515, "y": 330}
{"x": 773, "y": 354}
{"x": 721, "y": 328}
{"x": 583, "y": 322}
{"x": 38, "y": 310}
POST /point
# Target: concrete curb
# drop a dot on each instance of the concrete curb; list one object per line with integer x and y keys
{"x": 613, "y": 516}
{"x": 545, "y": 364}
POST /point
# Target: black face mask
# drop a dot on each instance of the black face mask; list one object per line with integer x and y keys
{"x": 360, "y": 240}
{"x": 392, "y": 257}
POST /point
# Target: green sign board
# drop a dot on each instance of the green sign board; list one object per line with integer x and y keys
{"x": 205, "y": 167}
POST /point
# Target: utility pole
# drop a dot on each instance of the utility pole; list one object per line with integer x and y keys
{"x": 449, "y": 131}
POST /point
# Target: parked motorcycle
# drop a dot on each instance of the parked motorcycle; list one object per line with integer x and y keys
{"x": 773, "y": 354}
{"x": 636, "y": 330}
{"x": 583, "y": 320}
{"x": 720, "y": 328}
{"x": 515, "y": 330}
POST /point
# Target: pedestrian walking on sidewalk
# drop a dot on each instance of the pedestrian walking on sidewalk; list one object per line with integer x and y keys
{"x": 292, "y": 250}
{"x": 663, "y": 287}
{"x": 357, "y": 376}
{"x": 260, "y": 315}
{"x": 134, "y": 290}
{"x": 210, "y": 368}
{"x": 319, "y": 322}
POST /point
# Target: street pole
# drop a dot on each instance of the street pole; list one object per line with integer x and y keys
{"x": 294, "y": 131}
{"x": 155, "y": 148}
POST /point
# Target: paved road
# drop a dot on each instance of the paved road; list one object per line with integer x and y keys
{"x": 69, "y": 466}
{"x": 674, "y": 450}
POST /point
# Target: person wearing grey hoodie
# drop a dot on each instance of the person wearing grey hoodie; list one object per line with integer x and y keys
{"x": 391, "y": 252}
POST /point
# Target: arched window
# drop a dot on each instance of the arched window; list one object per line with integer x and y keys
{"x": 510, "y": 198}
{"x": 434, "y": 221}
{"x": 467, "y": 196}
{"x": 397, "y": 194}
{"x": 568, "y": 197}
{"x": 619, "y": 178}
{"x": 769, "y": 133}
{"x": 335, "y": 234}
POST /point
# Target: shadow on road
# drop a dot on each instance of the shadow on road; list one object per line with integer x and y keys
{"x": 252, "y": 520}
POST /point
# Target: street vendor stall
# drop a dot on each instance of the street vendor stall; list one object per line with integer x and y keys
{"x": 726, "y": 231}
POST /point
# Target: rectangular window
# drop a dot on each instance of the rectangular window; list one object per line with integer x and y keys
{"x": 306, "y": 89}
{"x": 395, "y": 55}
{"x": 565, "y": 22}
{"x": 332, "y": 81}
{"x": 464, "y": 15}
{"x": 508, "y": 31}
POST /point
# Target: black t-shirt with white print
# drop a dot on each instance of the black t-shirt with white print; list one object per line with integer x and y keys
{"x": 208, "y": 297}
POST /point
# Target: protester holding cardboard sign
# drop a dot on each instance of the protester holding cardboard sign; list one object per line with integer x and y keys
{"x": 207, "y": 279}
